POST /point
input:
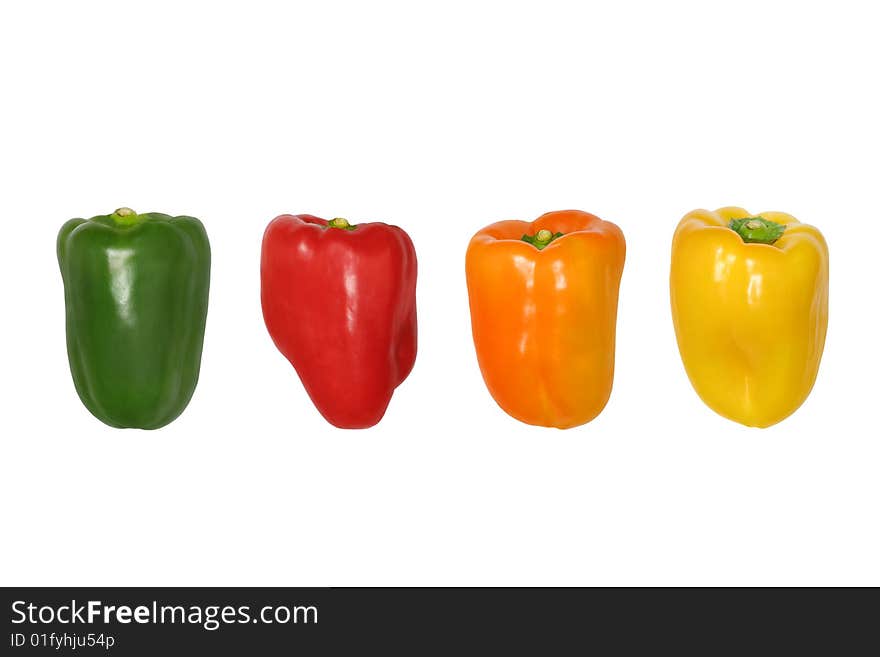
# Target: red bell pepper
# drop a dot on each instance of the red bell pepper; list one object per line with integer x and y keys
{"x": 339, "y": 301}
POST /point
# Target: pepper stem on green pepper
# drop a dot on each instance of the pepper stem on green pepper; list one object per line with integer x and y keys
{"x": 124, "y": 217}
{"x": 757, "y": 230}
{"x": 542, "y": 238}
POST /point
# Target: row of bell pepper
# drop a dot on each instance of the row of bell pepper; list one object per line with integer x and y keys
{"x": 749, "y": 296}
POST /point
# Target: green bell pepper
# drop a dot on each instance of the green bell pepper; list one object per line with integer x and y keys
{"x": 136, "y": 292}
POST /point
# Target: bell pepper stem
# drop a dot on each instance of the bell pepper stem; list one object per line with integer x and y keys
{"x": 124, "y": 217}
{"x": 757, "y": 230}
{"x": 542, "y": 238}
{"x": 339, "y": 222}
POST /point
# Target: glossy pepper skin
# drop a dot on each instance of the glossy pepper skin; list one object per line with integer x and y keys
{"x": 543, "y": 301}
{"x": 750, "y": 316}
{"x": 136, "y": 296}
{"x": 340, "y": 303}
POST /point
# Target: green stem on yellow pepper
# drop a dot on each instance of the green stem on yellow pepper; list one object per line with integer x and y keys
{"x": 757, "y": 230}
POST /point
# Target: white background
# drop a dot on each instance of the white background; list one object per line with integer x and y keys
{"x": 440, "y": 119}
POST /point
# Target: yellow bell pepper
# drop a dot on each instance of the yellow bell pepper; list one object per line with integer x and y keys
{"x": 749, "y": 298}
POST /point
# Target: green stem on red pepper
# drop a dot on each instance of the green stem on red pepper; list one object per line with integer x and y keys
{"x": 339, "y": 222}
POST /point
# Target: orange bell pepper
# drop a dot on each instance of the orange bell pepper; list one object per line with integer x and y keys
{"x": 543, "y": 300}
